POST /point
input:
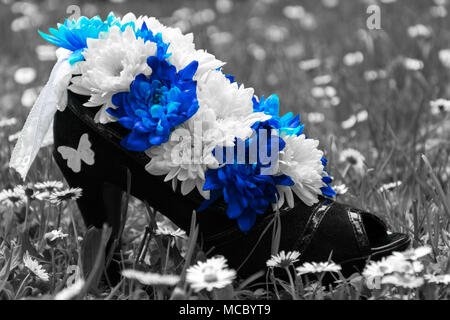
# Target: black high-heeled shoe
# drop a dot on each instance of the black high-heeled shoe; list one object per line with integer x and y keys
{"x": 350, "y": 236}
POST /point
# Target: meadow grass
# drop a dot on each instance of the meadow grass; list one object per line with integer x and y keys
{"x": 378, "y": 105}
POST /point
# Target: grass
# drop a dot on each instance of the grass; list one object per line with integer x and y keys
{"x": 401, "y": 138}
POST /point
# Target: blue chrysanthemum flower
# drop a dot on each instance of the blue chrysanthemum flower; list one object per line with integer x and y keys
{"x": 287, "y": 124}
{"x": 73, "y": 35}
{"x": 245, "y": 189}
{"x": 147, "y": 35}
{"x": 155, "y": 105}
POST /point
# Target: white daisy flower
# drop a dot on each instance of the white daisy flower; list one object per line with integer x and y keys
{"x": 294, "y": 12}
{"x": 111, "y": 64}
{"x": 45, "y": 52}
{"x": 412, "y": 64}
{"x": 71, "y": 291}
{"x": 166, "y": 231}
{"x": 35, "y": 267}
{"x": 389, "y": 186}
{"x": 444, "y": 57}
{"x": 7, "y": 122}
{"x": 310, "y": 64}
{"x": 49, "y": 186}
{"x": 323, "y": 80}
{"x": 372, "y": 75}
{"x": 301, "y": 160}
{"x": 354, "y": 158}
{"x": 14, "y": 136}
{"x": 25, "y": 75}
{"x": 419, "y": 30}
{"x": 340, "y": 189}
{"x": 315, "y": 117}
{"x": 55, "y": 235}
{"x": 58, "y": 197}
{"x": 224, "y": 6}
{"x": 440, "y": 106}
{"x": 383, "y": 267}
{"x": 258, "y": 52}
{"x": 29, "y": 96}
{"x": 283, "y": 260}
{"x": 149, "y": 278}
{"x": 438, "y": 279}
{"x": 438, "y": 11}
{"x": 413, "y": 254}
{"x": 318, "y": 267}
{"x": 403, "y": 280}
{"x": 12, "y": 198}
{"x": 353, "y": 58}
{"x": 209, "y": 275}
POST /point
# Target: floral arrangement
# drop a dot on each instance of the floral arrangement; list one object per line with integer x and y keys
{"x": 198, "y": 125}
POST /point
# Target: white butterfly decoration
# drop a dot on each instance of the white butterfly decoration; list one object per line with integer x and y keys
{"x": 74, "y": 157}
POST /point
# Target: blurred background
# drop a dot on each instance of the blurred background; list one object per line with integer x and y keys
{"x": 368, "y": 90}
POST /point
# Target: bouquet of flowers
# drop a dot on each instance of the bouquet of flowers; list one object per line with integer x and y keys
{"x": 199, "y": 127}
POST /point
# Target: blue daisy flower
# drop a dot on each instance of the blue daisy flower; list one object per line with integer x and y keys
{"x": 155, "y": 105}
{"x": 73, "y": 35}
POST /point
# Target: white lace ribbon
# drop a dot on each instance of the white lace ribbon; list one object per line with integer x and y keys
{"x": 40, "y": 119}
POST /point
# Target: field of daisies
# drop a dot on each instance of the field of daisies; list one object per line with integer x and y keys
{"x": 377, "y": 99}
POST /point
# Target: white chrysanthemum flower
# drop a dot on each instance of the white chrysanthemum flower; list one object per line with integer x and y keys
{"x": 318, "y": 267}
{"x": 353, "y": 158}
{"x": 182, "y": 47}
{"x": 71, "y": 291}
{"x": 283, "y": 260}
{"x": 149, "y": 278}
{"x": 209, "y": 275}
{"x": 55, "y": 235}
{"x": 111, "y": 64}
{"x": 182, "y": 161}
{"x": 35, "y": 267}
{"x": 230, "y": 102}
{"x": 225, "y": 112}
{"x": 301, "y": 160}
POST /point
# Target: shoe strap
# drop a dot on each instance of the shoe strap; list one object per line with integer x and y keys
{"x": 313, "y": 224}
{"x": 362, "y": 240}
